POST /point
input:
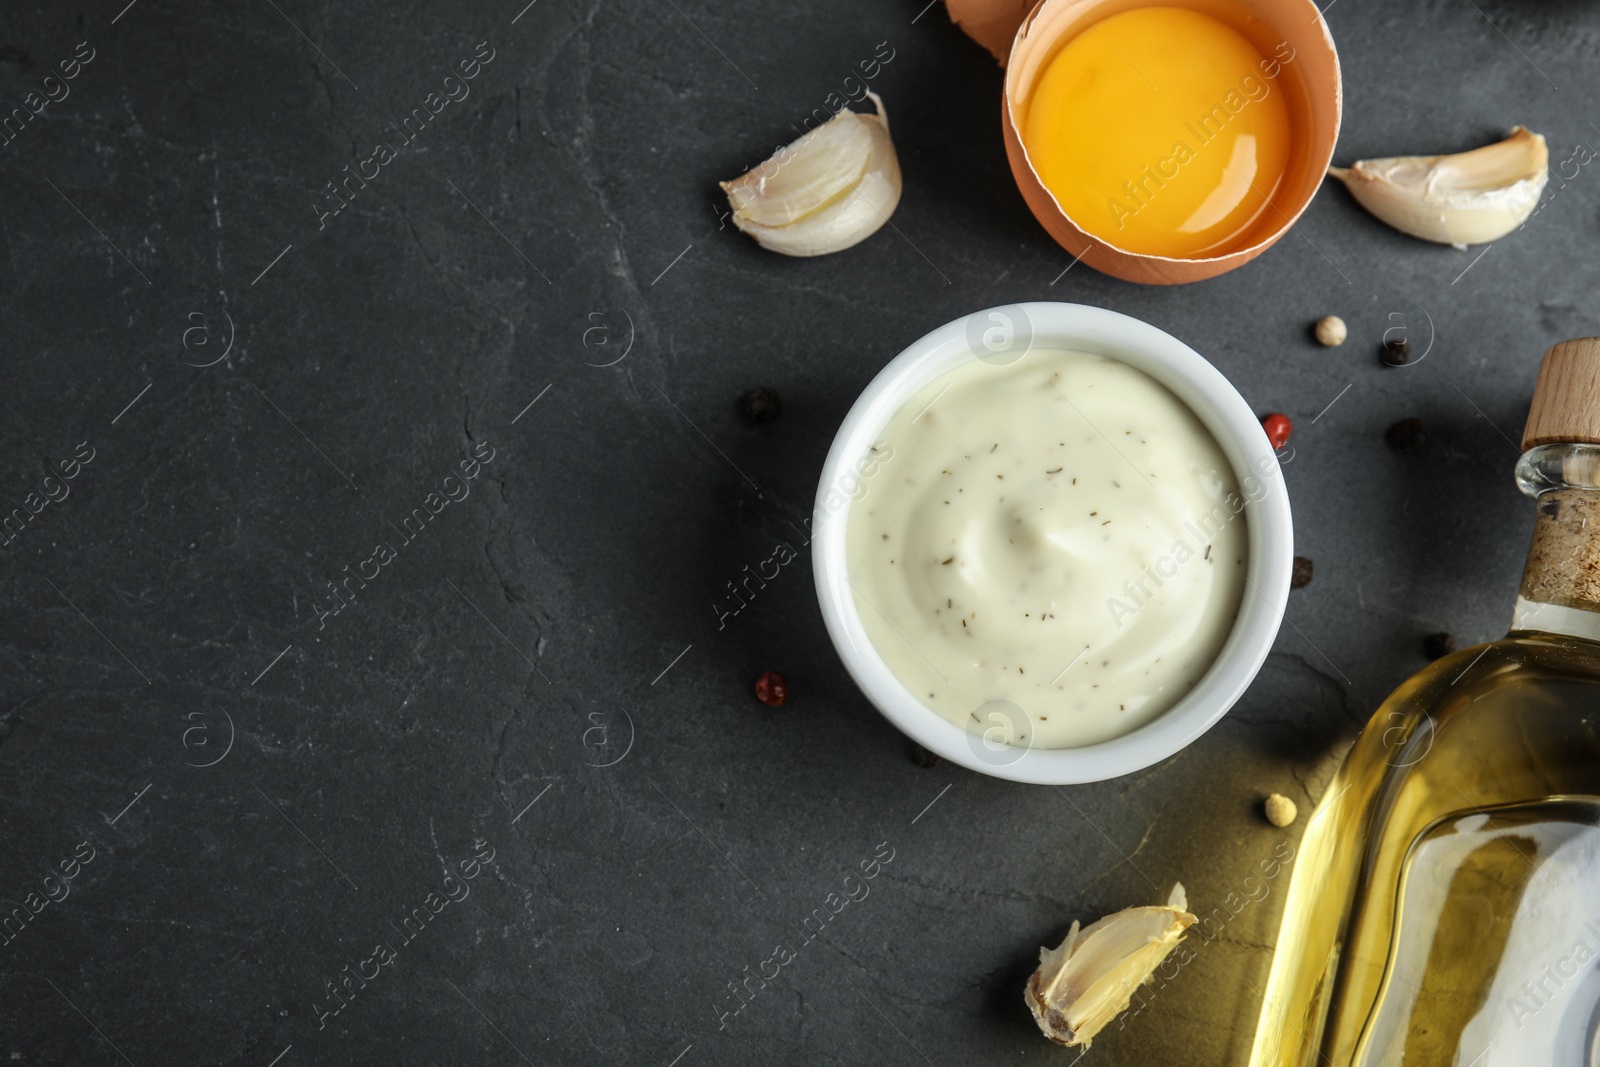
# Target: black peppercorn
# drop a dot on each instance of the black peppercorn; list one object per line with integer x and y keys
{"x": 1407, "y": 435}
{"x": 1300, "y": 576}
{"x": 1439, "y": 644}
{"x": 923, "y": 758}
{"x": 1397, "y": 352}
{"x": 762, "y": 404}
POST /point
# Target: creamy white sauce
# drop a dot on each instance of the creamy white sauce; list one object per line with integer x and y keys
{"x": 1062, "y": 534}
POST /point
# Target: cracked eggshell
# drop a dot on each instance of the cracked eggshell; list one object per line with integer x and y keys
{"x": 992, "y": 23}
{"x": 1315, "y": 70}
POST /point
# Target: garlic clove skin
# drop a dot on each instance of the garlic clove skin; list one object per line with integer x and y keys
{"x": 1465, "y": 199}
{"x": 831, "y": 189}
{"x": 1089, "y": 979}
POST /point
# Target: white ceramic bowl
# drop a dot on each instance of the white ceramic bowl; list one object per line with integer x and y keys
{"x": 1194, "y": 381}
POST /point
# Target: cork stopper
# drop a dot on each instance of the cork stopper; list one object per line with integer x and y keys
{"x": 1566, "y": 402}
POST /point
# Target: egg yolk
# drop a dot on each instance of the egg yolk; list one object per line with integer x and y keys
{"x": 1163, "y": 131}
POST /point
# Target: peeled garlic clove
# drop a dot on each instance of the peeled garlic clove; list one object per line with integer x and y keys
{"x": 1465, "y": 199}
{"x": 1088, "y": 980}
{"x": 834, "y": 187}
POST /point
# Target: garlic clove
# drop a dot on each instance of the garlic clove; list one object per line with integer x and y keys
{"x": 804, "y": 177}
{"x": 1089, "y": 979}
{"x": 1464, "y": 199}
{"x": 833, "y": 188}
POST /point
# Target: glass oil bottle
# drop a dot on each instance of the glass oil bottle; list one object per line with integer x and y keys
{"x": 1445, "y": 905}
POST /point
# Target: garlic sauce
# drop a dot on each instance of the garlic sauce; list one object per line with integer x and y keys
{"x": 1061, "y": 533}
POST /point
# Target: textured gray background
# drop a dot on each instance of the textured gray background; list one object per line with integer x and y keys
{"x": 167, "y": 607}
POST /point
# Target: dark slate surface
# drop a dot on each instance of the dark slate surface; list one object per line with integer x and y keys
{"x": 540, "y": 676}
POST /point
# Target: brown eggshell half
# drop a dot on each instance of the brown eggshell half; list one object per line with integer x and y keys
{"x": 992, "y": 23}
{"x": 1315, "y": 66}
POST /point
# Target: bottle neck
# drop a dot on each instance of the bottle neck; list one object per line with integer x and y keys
{"x": 1560, "y": 590}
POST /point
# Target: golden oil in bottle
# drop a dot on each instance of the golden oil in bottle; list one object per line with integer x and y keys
{"x": 1445, "y": 906}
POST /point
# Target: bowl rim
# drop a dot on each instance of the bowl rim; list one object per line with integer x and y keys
{"x": 1224, "y": 413}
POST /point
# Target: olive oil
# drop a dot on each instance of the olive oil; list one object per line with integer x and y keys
{"x": 1445, "y": 906}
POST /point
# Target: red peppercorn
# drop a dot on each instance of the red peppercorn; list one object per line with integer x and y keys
{"x": 1278, "y": 429}
{"x": 771, "y": 689}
